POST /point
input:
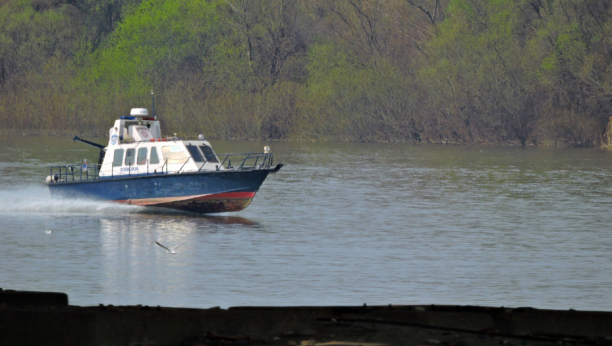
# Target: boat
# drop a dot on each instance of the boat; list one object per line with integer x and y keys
{"x": 141, "y": 167}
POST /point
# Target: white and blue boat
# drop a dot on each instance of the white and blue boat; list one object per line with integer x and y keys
{"x": 141, "y": 167}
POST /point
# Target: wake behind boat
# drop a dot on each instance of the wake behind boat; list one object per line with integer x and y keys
{"x": 140, "y": 167}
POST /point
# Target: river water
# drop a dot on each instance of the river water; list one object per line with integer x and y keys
{"x": 340, "y": 224}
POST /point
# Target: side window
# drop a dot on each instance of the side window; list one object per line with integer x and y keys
{"x": 142, "y": 156}
{"x": 118, "y": 158}
{"x": 195, "y": 153}
{"x": 174, "y": 154}
{"x": 154, "y": 160}
{"x": 209, "y": 153}
{"x": 129, "y": 157}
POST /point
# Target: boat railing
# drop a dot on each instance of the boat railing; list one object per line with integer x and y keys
{"x": 189, "y": 158}
{"x": 244, "y": 161}
{"x": 247, "y": 161}
{"x": 74, "y": 173}
{"x": 165, "y": 165}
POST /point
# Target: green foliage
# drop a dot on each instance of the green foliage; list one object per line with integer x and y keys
{"x": 345, "y": 103}
{"x": 462, "y": 71}
{"x": 516, "y": 66}
{"x": 152, "y": 43}
{"x": 28, "y": 38}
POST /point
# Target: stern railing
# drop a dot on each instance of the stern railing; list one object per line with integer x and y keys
{"x": 74, "y": 173}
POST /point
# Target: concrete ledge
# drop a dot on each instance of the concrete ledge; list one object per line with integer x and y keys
{"x": 27, "y": 323}
{"x": 31, "y": 298}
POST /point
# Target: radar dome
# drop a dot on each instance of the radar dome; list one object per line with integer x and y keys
{"x": 139, "y": 112}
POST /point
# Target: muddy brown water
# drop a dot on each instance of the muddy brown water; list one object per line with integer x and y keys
{"x": 340, "y": 224}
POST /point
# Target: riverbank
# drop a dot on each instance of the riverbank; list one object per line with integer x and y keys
{"x": 38, "y": 318}
{"x": 103, "y": 138}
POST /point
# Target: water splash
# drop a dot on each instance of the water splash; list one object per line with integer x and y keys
{"x": 37, "y": 199}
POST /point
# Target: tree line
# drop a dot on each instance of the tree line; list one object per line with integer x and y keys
{"x": 423, "y": 71}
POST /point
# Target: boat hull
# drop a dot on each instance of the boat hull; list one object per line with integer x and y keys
{"x": 205, "y": 192}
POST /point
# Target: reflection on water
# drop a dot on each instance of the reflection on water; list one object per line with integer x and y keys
{"x": 128, "y": 247}
{"x": 339, "y": 224}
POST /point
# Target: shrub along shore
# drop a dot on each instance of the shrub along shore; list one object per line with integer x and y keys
{"x": 422, "y": 71}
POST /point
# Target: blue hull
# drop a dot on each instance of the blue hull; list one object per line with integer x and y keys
{"x": 202, "y": 192}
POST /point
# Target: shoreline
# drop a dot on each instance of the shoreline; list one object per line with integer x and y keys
{"x": 541, "y": 144}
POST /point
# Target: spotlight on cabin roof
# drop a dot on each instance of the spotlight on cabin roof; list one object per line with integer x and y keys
{"x": 139, "y": 112}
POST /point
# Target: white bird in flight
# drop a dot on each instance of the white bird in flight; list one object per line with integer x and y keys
{"x": 49, "y": 231}
{"x": 172, "y": 249}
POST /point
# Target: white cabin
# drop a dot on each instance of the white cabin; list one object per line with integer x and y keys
{"x": 136, "y": 146}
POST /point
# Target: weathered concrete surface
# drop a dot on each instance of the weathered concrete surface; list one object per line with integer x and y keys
{"x": 301, "y": 326}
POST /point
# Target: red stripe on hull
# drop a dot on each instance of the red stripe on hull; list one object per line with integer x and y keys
{"x": 228, "y": 195}
{"x": 213, "y": 203}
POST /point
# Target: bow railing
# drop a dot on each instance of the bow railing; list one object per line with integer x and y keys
{"x": 247, "y": 161}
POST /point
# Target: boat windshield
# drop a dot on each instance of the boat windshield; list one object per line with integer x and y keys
{"x": 195, "y": 153}
{"x": 209, "y": 153}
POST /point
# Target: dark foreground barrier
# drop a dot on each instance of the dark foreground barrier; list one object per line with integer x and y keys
{"x": 55, "y": 323}
{"x": 29, "y": 298}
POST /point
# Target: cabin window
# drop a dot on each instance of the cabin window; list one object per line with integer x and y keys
{"x": 154, "y": 160}
{"x": 209, "y": 153}
{"x": 118, "y": 158}
{"x": 195, "y": 153}
{"x": 141, "y": 159}
{"x": 174, "y": 154}
{"x": 129, "y": 157}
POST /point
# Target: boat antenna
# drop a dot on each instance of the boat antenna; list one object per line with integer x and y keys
{"x": 153, "y": 99}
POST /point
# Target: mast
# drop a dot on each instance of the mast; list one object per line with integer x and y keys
{"x": 153, "y": 100}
